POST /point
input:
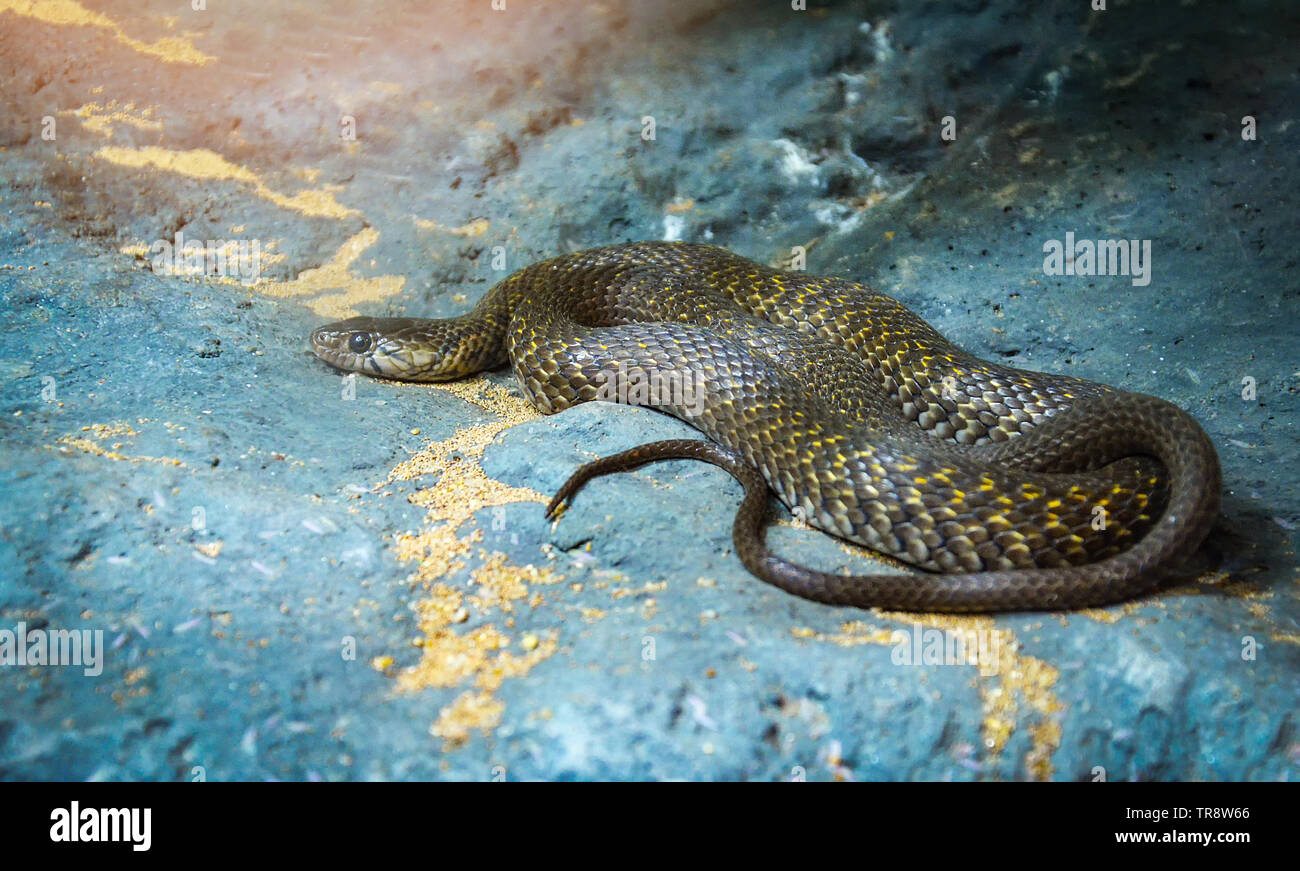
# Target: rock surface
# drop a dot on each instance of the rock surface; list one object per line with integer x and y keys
{"x": 298, "y": 576}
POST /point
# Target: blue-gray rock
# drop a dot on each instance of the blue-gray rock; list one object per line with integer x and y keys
{"x": 282, "y": 594}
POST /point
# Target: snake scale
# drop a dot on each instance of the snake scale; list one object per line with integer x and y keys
{"x": 1015, "y": 490}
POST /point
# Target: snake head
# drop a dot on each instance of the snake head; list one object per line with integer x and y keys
{"x": 349, "y": 345}
{"x": 383, "y": 347}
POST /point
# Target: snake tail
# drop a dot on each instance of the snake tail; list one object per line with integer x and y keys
{"x": 1185, "y": 450}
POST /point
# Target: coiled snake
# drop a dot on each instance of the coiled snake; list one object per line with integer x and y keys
{"x": 1016, "y": 490}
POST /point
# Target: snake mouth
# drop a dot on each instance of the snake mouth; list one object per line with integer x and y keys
{"x": 381, "y": 347}
{"x": 349, "y": 345}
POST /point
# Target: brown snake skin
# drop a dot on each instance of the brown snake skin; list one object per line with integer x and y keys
{"x": 1016, "y": 490}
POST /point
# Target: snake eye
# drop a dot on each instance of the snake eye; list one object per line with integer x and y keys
{"x": 359, "y": 343}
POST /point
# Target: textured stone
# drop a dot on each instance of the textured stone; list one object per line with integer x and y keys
{"x": 198, "y": 487}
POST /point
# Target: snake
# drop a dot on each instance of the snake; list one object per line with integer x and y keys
{"x": 1005, "y": 489}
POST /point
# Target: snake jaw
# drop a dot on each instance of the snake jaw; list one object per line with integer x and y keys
{"x": 349, "y": 345}
{"x": 403, "y": 349}
{"x": 373, "y": 346}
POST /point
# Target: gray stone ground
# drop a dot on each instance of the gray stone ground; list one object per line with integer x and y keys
{"x": 277, "y": 568}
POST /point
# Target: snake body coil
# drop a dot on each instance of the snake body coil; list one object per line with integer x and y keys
{"x": 1017, "y": 490}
